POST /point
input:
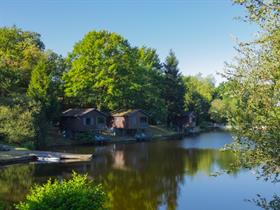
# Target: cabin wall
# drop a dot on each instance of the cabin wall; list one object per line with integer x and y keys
{"x": 131, "y": 122}
{"x": 79, "y": 124}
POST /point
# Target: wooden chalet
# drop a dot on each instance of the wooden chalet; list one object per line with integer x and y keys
{"x": 130, "y": 121}
{"x": 83, "y": 120}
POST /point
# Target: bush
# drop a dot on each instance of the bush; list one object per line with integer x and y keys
{"x": 78, "y": 193}
{"x": 3, "y": 206}
{"x": 16, "y": 124}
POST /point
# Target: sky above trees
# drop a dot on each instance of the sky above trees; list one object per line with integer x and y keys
{"x": 201, "y": 32}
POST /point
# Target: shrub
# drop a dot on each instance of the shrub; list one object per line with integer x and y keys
{"x": 78, "y": 193}
{"x": 16, "y": 124}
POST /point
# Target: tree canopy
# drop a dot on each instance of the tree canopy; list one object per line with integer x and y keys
{"x": 255, "y": 85}
{"x": 173, "y": 88}
{"x": 106, "y": 72}
{"x": 19, "y": 53}
{"x": 199, "y": 94}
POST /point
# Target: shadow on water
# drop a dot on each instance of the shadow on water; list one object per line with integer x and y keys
{"x": 136, "y": 176}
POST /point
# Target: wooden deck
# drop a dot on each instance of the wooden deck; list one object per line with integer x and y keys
{"x": 20, "y": 156}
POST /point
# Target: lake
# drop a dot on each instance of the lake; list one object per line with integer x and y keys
{"x": 175, "y": 174}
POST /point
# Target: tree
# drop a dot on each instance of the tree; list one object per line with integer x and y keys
{"x": 174, "y": 89}
{"x": 199, "y": 94}
{"x": 222, "y": 105}
{"x": 45, "y": 88}
{"x": 152, "y": 87}
{"x": 107, "y": 73}
{"x": 76, "y": 193}
{"x": 255, "y": 82}
{"x": 45, "y": 85}
{"x": 26, "y": 69}
{"x": 103, "y": 72}
{"x": 19, "y": 52}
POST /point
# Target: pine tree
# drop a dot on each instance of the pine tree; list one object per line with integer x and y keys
{"x": 174, "y": 90}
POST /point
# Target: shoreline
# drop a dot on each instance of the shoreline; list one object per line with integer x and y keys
{"x": 21, "y": 155}
{"x": 15, "y": 156}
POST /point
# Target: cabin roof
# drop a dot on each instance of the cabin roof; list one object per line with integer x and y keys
{"x": 78, "y": 112}
{"x": 128, "y": 112}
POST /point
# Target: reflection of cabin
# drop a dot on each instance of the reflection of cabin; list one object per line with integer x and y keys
{"x": 186, "y": 121}
{"x": 130, "y": 121}
{"x": 81, "y": 120}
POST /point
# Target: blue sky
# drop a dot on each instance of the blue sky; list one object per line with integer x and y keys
{"x": 201, "y": 32}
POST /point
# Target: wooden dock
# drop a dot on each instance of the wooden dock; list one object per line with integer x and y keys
{"x": 23, "y": 156}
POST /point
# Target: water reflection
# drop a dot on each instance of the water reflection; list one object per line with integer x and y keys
{"x": 137, "y": 176}
{"x": 15, "y": 182}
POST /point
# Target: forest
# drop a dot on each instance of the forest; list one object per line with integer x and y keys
{"x": 102, "y": 71}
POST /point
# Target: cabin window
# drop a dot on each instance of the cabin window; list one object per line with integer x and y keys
{"x": 100, "y": 120}
{"x": 143, "y": 119}
{"x": 87, "y": 121}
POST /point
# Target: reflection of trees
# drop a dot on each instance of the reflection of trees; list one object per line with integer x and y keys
{"x": 263, "y": 203}
{"x": 137, "y": 176}
{"x": 153, "y": 179}
{"x": 209, "y": 161}
{"x": 15, "y": 181}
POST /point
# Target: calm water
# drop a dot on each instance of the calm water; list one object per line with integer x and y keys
{"x": 155, "y": 175}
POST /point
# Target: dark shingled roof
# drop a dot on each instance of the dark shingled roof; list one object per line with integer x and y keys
{"x": 79, "y": 112}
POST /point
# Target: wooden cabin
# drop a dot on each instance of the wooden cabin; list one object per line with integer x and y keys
{"x": 130, "y": 121}
{"x": 83, "y": 120}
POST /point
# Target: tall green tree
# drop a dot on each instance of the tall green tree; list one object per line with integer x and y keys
{"x": 152, "y": 84}
{"x": 106, "y": 72}
{"x": 103, "y": 72}
{"x": 46, "y": 86}
{"x": 45, "y": 89}
{"x": 174, "y": 89}
{"x": 19, "y": 53}
{"x": 31, "y": 85}
{"x": 255, "y": 79}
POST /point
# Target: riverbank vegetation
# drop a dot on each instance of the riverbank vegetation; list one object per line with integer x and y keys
{"x": 254, "y": 79}
{"x": 76, "y": 193}
{"x": 103, "y": 71}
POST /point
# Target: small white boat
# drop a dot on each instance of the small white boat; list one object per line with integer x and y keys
{"x": 48, "y": 159}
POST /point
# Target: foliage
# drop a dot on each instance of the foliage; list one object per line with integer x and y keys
{"x": 174, "y": 89}
{"x": 3, "y": 206}
{"x": 15, "y": 181}
{"x": 222, "y": 105}
{"x": 152, "y": 85}
{"x": 198, "y": 97}
{"x": 76, "y": 193}
{"x": 16, "y": 124}
{"x": 263, "y": 203}
{"x": 19, "y": 53}
{"x": 103, "y": 72}
{"x": 27, "y": 70}
{"x": 45, "y": 86}
{"x": 255, "y": 85}
{"x": 106, "y": 72}
{"x": 263, "y": 12}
